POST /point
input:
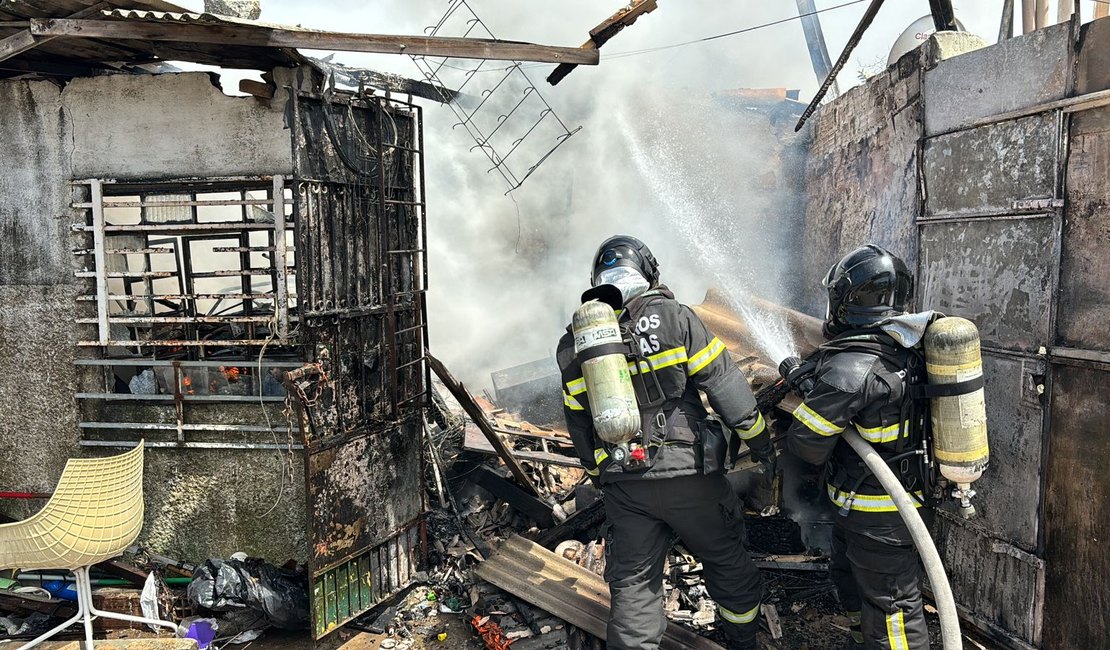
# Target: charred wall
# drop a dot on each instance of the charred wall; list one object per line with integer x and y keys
{"x": 1000, "y": 202}
{"x": 861, "y": 174}
{"x": 199, "y": 502}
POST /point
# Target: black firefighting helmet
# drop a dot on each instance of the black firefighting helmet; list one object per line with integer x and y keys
{"x": 866, "y": 286}
{"x": 625, "y": 250}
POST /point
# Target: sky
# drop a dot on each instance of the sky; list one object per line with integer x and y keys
{"x": 654, "y": 158}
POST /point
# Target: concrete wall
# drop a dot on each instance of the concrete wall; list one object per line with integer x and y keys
{"x": 199, "y": 503}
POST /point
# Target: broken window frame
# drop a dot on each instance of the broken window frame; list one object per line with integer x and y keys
{"x": 185, "y": 233}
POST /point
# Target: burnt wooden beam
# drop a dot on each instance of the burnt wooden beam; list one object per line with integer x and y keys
{"x": 279, "y": 37}
{"x": 478, "y": 416}
{"x": 603, "y": 32}
{"x": 853, "y": 41}
{"x": 20, "y": 42}
{"x": 256, "y": 88}
{"x": 391, "y": 82}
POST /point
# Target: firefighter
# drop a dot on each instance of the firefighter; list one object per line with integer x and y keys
{"x": 680, "y": 491}
{"x": 858, "y": 379}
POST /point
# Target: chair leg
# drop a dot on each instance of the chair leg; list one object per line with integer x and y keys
{"x": 82, "y": 613}
{"x": 125, "y": 617}
{"x": 84, "y": 593}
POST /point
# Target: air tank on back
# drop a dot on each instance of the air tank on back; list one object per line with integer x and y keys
{"x": 959, "y": 422}
{"x": 597, "y": 343}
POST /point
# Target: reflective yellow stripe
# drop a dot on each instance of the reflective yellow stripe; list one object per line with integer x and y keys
{"x": 870, "y": 502}
{"x": 953, "y": 369}
{"x": 600, "y": 455}
{"x": 757, "y": 428}
{"x": 896, "y": 631}
{"x": 883, "y": 434}
{"x": 593, "y": 472}
{"x": 664, "y": 359}
{"x": 962, "y": 456}
{"x": 705, "y": 356}
{"x": 572, "y": 403}
{"x": 739, "y": 619}
{"x": 576, "y": 387}
{"x": 815, "y": 422}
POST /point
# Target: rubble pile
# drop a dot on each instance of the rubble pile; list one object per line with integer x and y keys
{"x": 478, "y": 516}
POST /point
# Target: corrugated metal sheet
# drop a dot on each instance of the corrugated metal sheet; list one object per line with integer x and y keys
{"x": 573, "y": 593}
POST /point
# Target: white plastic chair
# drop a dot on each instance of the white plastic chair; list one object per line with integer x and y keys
{"x": 94, "y": 514}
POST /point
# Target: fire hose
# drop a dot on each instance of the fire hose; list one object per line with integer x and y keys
{"x": 934, "y": 568}
{"x": 938, "y": 579}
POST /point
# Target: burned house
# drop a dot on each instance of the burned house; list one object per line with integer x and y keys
{"x": 238, "y": 281}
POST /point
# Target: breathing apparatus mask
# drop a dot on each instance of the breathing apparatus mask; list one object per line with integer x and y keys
{"x": 628, "y": 280}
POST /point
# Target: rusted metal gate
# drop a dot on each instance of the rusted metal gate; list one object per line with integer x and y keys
{"x": 361, "y": 240}
{"x": 1013, "y": 236}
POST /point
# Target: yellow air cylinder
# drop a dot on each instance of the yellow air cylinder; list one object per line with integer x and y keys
{"x": 960, "y": 421}
{"x": 597, "y": 343}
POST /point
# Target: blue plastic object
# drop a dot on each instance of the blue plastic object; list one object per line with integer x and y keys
{"x": 61, "y": 589}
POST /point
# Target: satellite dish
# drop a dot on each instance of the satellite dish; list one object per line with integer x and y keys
{"x": 916, "y": 34}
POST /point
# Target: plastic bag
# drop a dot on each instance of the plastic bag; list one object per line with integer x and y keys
{"x": 228, "y": 585}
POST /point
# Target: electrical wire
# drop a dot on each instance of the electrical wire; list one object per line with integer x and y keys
{"x": 704, "y": 39}
{"x": 745, "y": 30}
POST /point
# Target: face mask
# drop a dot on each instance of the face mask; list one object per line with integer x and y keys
{"x": 627, "y": 279}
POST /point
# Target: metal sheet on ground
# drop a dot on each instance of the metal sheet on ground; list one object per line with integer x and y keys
{"x": 561, "y": 587}
{"x": 996, "y": 273}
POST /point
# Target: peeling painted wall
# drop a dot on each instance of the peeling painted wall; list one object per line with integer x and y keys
{"x": 199, "y": 502}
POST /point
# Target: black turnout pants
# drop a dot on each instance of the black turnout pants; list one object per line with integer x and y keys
{"x": 880, "y": 587}
{"x": 644, "y": 518}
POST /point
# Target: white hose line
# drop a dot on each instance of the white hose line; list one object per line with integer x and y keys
{"x": 942, "y": 591}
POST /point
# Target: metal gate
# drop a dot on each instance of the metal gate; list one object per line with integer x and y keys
{"x": 359, "y": 213}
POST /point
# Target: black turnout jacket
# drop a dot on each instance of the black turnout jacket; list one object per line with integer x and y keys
{"x": 687, "y": 359}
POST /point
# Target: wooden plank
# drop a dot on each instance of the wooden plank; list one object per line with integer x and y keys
{"x": 473, "y": 442}
{"x": 566, "y": 590}
{"x": 606, "y": 30}
{"x": 280, "y": 37}
{"x": 19, "y": 43}
{"x": 478, "y": 416}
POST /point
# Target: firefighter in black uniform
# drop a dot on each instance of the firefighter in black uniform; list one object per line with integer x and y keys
{"x": 680, "y": 490}
{"x": 859, "y": 381}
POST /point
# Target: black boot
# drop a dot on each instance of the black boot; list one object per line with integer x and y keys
{"x": 740, "y": 637}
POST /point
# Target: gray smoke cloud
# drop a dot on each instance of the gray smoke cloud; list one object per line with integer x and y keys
{"x": 656, "y": 158}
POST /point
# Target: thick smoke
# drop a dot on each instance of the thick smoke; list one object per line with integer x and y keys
{"x": 658, "y": 157}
